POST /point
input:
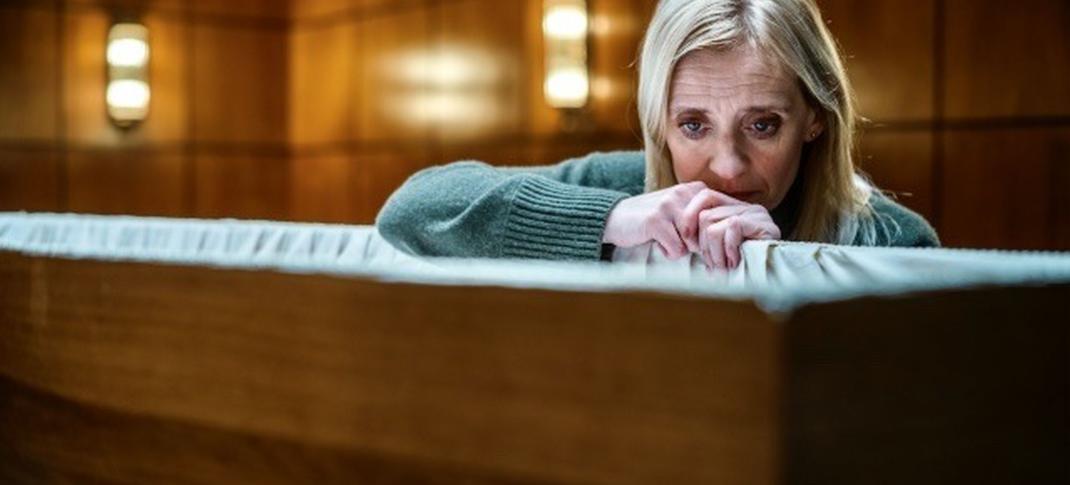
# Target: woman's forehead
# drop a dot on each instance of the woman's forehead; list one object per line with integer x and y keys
{"x": 741, "y": 73}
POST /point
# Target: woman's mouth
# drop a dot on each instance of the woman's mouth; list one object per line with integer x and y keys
{"x": 744, "y": 195}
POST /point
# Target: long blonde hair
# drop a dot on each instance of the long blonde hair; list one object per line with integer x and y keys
{"x": 835, "y": 201}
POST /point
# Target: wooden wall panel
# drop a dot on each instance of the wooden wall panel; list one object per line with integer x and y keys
{"x": 379, "y": 174}
{"x": 320, "y": 9}
{"x": 132, "y": 6}
{"x": 85, "y": 81}
{"x": 268, "y": 9}
{"x": 392, "y": 55}
{"x": 556, "y": 150}
{"x": 477, "y": 82}
{"x": 321, "y": 84}
{"x": 1002, "y": 187}
{"x": 518, "y": 153}
{"x": 29, "y": 180}
{"x": 327, "y": 11}
{"x": 239, "y": 84}
{"x": 543, "y": 120}
{"x": 323, "y": 188}
{"x": 126, "y": 182}
{"x": 1007, "y": 59}
{"x": 28, "y": 68}
{"x": 537, "y": 151}
{"x": 889, "y": 54}
{"x": 901, "y": 162}
{"x": 241, "y": 185}
{"x": 617, "y": 28}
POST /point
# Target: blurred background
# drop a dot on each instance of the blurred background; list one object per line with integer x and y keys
{"x": 316, "y": 110}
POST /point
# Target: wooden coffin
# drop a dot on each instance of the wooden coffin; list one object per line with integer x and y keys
{"x": 134, "y": 372}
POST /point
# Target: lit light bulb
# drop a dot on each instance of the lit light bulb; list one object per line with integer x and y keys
{"x": 128, "y": 93}
{"x": 565, "y": 22}
{"x": 128, "y": 52}
{"x": 567, "y": 88}
{"x": 564, "y": 27}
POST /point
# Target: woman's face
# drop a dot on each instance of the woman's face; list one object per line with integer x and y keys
{"x": 738, "y": 123}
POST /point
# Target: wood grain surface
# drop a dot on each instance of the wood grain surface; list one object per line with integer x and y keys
{"x": 967, "y": 386}
{"x": 135, "y": 373}
{"x": 119, "y": 372}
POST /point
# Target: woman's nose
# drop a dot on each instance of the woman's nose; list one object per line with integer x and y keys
{"x": 727, "y": 161}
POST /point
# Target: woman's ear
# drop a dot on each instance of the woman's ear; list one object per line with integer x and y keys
{"x": 814, "y": 127}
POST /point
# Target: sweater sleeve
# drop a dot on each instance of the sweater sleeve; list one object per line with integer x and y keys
{"x": 471, "y": 209}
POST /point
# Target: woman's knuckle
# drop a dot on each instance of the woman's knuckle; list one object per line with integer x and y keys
{"x": 665, "y": 206}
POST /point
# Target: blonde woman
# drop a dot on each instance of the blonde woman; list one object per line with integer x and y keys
{"x": 748, "y": 126}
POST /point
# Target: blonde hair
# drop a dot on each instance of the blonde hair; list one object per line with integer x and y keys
{"x": 835, "y": 203}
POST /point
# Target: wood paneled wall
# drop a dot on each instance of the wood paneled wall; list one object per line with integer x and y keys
{"x": 382, "y": 89}
{"x": 319, "y": 109}
{"x": 215, "y": 140}
{"x": 969, "y": 113}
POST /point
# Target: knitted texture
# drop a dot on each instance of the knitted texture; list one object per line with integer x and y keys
{"x": 554, "y": 220}
{"x": 471, "y": 209}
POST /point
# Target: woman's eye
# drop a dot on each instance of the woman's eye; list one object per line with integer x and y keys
{"x": 691, "y": 128}
{"x": 765, "y": 127}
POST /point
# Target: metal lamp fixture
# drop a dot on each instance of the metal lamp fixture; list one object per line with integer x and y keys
{"x": 564, "y": 27}
{"x": 128, "y": 92}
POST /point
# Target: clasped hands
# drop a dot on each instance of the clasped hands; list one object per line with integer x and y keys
{"x": 690, "y": 218}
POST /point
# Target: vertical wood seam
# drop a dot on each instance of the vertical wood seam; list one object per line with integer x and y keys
{"x": 938, "y": 128}
{"x": 61, "y": 158}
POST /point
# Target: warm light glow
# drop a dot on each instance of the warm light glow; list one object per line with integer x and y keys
{"x": 128, "y": 52}
{"x": 451, "y": 88}
{"x": 564, "y": 28}
{"x": 128, "y": 92}
{"x": 451, "y": 68}
{"x": 565, "y": 22}
{"x": 566, "y": 88}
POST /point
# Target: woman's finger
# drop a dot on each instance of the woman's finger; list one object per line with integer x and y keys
{"x": 759, "y": 228}
{"x": 704, "y": 246}
{"x": 715, "y": 244}
{"x": 717, "y": 214}
{"x": 687, "y": 221}
{"x": 759, "y": 225}
{"x": 733, "y": 237}
{"x": 665, "y": 234}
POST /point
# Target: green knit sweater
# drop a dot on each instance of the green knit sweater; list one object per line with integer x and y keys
{"x": 471, "y": 209}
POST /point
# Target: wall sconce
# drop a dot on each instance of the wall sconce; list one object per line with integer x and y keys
{"x": 128, "y": 74}
{"x": 564, "y": 28}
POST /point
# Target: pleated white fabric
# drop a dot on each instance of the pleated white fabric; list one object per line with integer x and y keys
{"x": 776, "y": 275}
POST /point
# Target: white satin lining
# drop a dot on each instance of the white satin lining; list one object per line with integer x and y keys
{"x": 777, "y": 275}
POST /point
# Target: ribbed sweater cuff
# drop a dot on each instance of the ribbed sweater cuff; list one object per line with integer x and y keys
{"x": 554, "y": 220}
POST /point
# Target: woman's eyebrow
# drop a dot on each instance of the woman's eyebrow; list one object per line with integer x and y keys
{"x": 688, "y": 110}
{"x": 768, "y": 107}
{"x": 691, "y": 110}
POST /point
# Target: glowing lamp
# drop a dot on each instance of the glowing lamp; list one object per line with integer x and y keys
{"x": 128, "y": 93}
{"x": 564, "y": 28}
